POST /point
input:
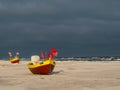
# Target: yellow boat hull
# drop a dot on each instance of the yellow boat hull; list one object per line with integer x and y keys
{"x": 15, "y": 60}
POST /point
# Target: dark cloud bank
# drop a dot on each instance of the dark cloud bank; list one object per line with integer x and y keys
{"x": 74, "y": 27}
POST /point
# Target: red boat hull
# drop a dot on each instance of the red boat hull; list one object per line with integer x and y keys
{"x": 46, "y": 69}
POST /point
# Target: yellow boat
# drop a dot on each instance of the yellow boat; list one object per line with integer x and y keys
{"x": 15, "y": 60}
{"x": 45, "y": 67}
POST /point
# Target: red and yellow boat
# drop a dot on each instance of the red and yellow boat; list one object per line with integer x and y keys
{"x": 45, "y": 67}
{"x": 15, "y": 60}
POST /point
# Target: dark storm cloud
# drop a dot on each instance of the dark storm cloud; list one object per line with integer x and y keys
{"x": 88, "y": 27}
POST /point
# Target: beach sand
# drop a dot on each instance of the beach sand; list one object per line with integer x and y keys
{"x": 67, "y": 75}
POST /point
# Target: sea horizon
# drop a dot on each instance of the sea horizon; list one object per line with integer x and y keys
{"x": 87, "y": 58}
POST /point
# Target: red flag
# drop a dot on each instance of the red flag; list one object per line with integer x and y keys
{"x": 43, "y": 55}
{"x": 50, "y": 56}
{"x": 54, "y": 51}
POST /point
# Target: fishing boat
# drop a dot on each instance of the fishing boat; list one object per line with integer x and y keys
{"x": 44, "y": 67}
{"x": 15, "y": 60}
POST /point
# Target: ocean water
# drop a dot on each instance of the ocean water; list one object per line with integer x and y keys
{"x": 88, "y": 59}
{"x": 77, "y": 59}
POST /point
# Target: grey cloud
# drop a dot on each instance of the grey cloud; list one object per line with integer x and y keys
{"x": 79, "y": 25}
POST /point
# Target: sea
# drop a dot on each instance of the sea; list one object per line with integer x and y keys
{"x": 93, "y": 58}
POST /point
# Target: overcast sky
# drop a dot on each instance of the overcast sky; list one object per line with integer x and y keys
{"x": 74, "y": 27}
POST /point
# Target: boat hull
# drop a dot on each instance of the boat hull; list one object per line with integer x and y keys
{"x": 45, "y": 67}
{"x": 14, "y": 60}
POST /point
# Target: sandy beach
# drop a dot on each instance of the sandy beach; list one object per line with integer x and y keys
{"x": 67, "y": 75}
